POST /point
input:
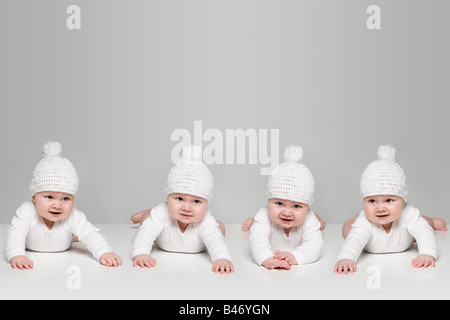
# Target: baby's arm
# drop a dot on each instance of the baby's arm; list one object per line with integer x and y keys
{"x": 215, "y": 243}
{"x": 259, "y": 238}
{"x": 311, "y": 245}
{"x": 16, "y": 236}
{"x": 354, "y": 244}
{"x": 421, "y": 230}
{"x": 146, "y": 235}
{"x": 93, "y": 239}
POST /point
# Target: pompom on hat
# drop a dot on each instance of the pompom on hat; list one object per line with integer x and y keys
{"x": 191, "y": 175}
{"x": 384, "y": 176}
{"x": 53, "y": 172}
{"x": 292, "y": 180}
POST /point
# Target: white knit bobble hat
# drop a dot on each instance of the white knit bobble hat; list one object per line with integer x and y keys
{"x": 292, "y": 180}
{"x": 53, "y": 172}
{"x": 191, "y": 175}
{"x": 384, "y": 176}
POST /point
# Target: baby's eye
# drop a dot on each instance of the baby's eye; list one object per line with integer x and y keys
{"x": 66, "y": 199}
{"x": 49, "y": 197}
{"x": 197, "y": 201}
{"x": 371, "y": 201}
{"x": 297, "y": 206}
{"x": 179, "y": 198}
{"x": 279, "y": 203}
{"x": 389, "y": 200}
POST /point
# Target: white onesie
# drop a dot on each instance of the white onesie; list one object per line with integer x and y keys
{"x": 197, "y": 237}
{"x": 373, "y": 238}
{"x": 28, "y": 231}
{"x": 304, "y": 242}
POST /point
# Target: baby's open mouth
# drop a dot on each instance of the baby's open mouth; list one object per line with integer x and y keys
{"x": 55, "y": 212}
{"x": 382, "y": 215}
{"x": 186, "y": 215}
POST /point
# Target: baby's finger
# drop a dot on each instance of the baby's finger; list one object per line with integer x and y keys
{"x": 141, "y": 263}
{"x": 148, "y": 264}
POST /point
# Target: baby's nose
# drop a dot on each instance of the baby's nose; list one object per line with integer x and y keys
{"x": 286, "y": 213}
{"x": 56, "y": 205}
{"x": 186, "y": 207}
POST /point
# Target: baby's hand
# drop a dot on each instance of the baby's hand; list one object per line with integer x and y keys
{"x": 345, "y": 265}
{"x": 110, "y": 259}
{"x": 144, "y": 261}
{"x": 21, "y": 262}
{"x": 222, "y": 266}
{"x": 272, "y": 263}
{"x": 423, "y": 261}
{"x": 286, "y": 256}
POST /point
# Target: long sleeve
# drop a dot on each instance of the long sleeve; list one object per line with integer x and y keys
{"x": 357, "y": 238}
{"x": 88, "y": 234}
{"x": 149, "y": 231}
{"x": 18, "y": 230}
{"x": 260, "y": 237}
{"x": 421, "y": 231}
{"x": 214, "y": 240}
{"x": 311, "y": 245}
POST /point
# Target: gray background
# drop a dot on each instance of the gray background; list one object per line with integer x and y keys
{"x": 113, "y": 92}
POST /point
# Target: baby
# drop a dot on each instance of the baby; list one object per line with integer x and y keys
{"x": 287, "y": 232}
{"x": 387, "y": 223}
{"x": 183, "y": 223}
{"x": 49, "y": 221}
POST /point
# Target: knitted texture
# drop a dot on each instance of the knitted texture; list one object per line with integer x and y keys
{"x": 384, "y": 176}
{"x": 292, "y": 180}
{"x": 53, "y": 172}
{"x": 191, "y": 175}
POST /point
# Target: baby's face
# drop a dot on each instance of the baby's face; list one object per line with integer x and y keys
{"x": 383, "y": 209}
{"x": 186, "y": 208}
{"x": 286, "y": 213}
{"x": 53, "y": 206}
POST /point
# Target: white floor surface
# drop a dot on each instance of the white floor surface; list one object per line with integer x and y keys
{"x": 74, "y": 274}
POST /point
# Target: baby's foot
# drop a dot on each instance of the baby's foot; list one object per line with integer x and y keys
{"x": 140, "y": 216}
{"x": 136, "y": 218}
{"x": 322, "y": 223}
{"x": 439, "y": 224}
{"x": 247, "y": 224}
{"x": 222, "y": 228}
